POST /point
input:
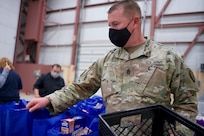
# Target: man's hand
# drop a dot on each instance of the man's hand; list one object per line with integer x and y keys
{"x": 37, "y": 103}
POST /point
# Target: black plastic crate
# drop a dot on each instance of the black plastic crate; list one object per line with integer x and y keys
{"x": 154, "y": 120}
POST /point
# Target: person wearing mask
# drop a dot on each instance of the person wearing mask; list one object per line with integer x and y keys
{"x": 138, "y": 72}
{"x": 4, "y": 74}
{"x": 9, "y": 92}
{"x": 49, "y": 82}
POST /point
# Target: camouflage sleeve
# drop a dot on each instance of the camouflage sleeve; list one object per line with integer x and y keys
{"x": 88, "y": 84}
{"x": 184, "y": 88}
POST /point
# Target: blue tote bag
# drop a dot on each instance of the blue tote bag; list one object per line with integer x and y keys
{"x": 89, "y": 109}
{"x": 14, "y": 119}
{"x": 3, "y": 112}
{"x": 41, "y": 126}
{"x": 17, "y": 120}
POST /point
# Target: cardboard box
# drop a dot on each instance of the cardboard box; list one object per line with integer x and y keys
{"x": 72, "y": 125}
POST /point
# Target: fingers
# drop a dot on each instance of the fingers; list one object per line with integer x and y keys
{"x": 33, "y": 105}
{"x": 37, "y": 103}
{"x": 33, "y": 108}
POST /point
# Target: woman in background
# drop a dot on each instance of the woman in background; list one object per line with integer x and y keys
{"x": 10, "y": 90}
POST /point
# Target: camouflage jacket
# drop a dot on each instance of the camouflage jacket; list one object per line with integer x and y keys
{"x": 147, "y": 76}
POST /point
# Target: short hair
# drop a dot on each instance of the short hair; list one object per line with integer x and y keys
{"x": 131, "y": 7}
{"x": 56, "y": 65}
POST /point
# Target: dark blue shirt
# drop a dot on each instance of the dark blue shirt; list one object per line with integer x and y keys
{"x": 10, "y": 90}
{"x": 46, "y": 84}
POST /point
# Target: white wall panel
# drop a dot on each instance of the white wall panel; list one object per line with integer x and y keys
{"x": 58, "y": 32}
{"x": 91, "y": 2}
{"x": 176, "y": 34}
{"x": 61, "y": 17}
{"x": 182, "y": 19}
{"x": 181, "y": 6}
{"x": 146, "y": 8}
{"x": 146, "y": 27}
{"x": 59, "y": 35}
{"x": 200, "y": 38}
{"x": 195, "y": 57}
{"x": 60, "y": 4}
{"x": 51, "y": 55}
{"x": 88, "y": 53}
{"x": 95, "y": 13}
{"x": 9, "y": 10}
{"x": 97, "y": 32}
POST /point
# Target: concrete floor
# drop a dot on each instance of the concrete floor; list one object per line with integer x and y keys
{"x": 26, "y": 96}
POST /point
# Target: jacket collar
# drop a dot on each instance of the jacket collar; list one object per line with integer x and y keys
{"x": 143, "y": 50}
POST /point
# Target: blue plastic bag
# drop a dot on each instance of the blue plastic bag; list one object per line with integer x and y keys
{"x": 89, "y": 109}
{"x": 92, "y": 106}
{"x": 3, "y": 112}
{"x": 18, "y": 122}
{"x": 41, "y": 126}
{"x": 15, "y": 119}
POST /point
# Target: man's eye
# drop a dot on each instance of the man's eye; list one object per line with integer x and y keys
{"x": 115, "y": 24}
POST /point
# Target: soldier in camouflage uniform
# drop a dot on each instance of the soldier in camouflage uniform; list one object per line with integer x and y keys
{"x": 138, "y": 72}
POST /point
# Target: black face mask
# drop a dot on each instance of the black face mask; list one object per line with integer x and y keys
{"x": 119, "y": 37}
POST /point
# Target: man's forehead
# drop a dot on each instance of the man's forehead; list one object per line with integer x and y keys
{"x": 115, "y": 18}
{"x": 55, "y": 67}
{"x": 117, "y": 10}
{"x": 116, "y": 14}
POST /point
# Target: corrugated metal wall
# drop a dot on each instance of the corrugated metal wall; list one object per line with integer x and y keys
{"x": 58, "y": 34}
{"x": 9, "y": 13}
